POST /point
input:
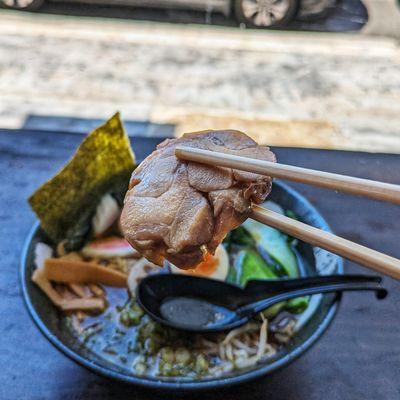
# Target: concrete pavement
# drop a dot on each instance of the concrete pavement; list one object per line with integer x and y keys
{"x": 315, "y": 90}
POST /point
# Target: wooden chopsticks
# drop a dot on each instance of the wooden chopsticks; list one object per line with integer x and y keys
{"x": 355, "y": 252}
{"x": 363, "y": 187}
{"x": 375, "y": 260}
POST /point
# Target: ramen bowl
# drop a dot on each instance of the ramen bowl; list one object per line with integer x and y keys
{"x": 310, "y": 326}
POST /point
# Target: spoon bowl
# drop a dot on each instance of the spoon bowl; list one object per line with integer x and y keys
{"x": 205, "y": 305}
{"x": 156, "y": 294}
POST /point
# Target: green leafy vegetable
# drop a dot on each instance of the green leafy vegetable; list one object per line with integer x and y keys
{"x": 276, "y": 244}
{"x": 267, "y": 254}
{"x": 274, "y": 310}
{"x": 238, "y": 237}
{"x": 249, "y": 265}
{"x": 297, "y": 305}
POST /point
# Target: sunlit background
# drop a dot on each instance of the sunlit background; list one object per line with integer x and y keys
{"x": 304, "y": 73}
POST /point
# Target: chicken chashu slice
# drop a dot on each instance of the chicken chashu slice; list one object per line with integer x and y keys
{"x": 179, "y": 210}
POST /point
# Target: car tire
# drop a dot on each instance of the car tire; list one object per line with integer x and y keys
{"x": 26, "y": 5}
{"x": 265, "y": 13}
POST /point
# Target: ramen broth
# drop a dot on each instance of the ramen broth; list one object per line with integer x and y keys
{"x": 127, "y": 337}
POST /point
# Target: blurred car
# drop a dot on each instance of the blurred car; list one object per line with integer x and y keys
{"x": 252, "y": 13}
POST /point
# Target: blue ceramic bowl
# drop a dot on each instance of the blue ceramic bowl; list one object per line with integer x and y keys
{"x": 311, "y": 325}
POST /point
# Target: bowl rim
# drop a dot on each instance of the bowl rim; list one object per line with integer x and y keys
{"x": 153, "y": 383}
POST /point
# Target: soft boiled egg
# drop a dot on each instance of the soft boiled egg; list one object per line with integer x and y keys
{"x": 214, "y": 266}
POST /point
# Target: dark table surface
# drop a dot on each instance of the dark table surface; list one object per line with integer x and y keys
{"x": 358, "y": 358}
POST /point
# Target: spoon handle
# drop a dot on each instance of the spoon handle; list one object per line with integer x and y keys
{"x": 271, "y": 287}
{"x": 309, "y": 286}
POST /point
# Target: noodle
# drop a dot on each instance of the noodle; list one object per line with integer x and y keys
{"x": 209, "y": 344}
{"x": 235, "y": 332}
{"x": 243, "y": 346}
{"x": 240, "y": 353}
{"x": 229, "y": 352}
{"x": 262, "y": 340}
{"x": 240, "y": 348}
{"x": 243, "y": 360}
{"x": 222, "y": 351}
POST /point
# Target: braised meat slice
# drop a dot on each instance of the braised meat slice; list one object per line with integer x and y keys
{"x": 178, "y": 210}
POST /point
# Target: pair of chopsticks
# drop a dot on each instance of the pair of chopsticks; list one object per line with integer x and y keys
{"x": 375, "y": 260}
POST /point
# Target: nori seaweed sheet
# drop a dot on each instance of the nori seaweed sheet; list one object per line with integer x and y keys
{"x": 102, "y": 164}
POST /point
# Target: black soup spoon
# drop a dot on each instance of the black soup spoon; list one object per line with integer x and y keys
{"x": 207, "y": 305}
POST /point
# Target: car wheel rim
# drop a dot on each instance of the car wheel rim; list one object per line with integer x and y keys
{"x": 265, "y": 12}
{"x": 18, "y": 3}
